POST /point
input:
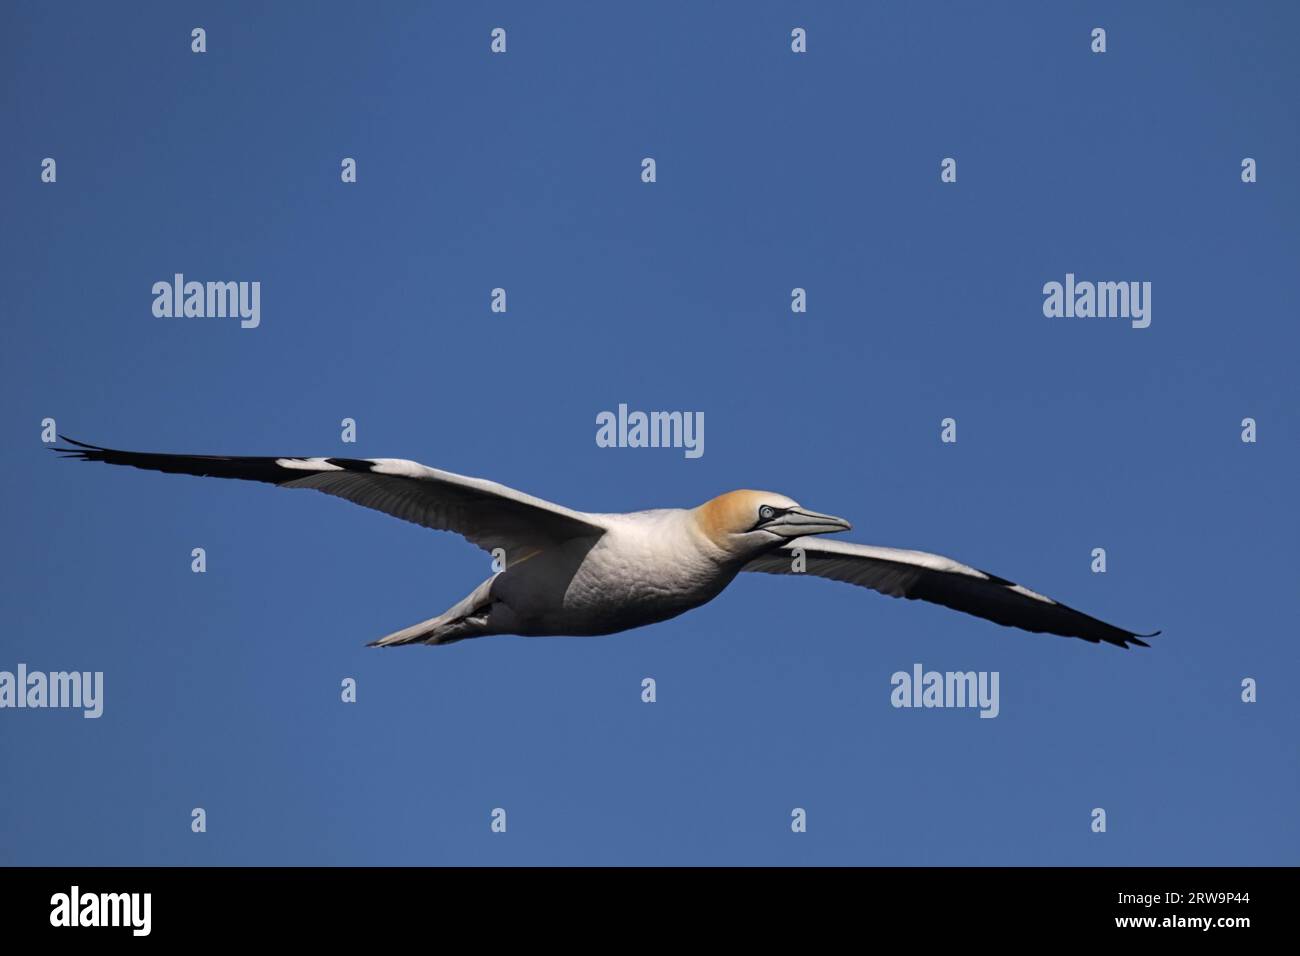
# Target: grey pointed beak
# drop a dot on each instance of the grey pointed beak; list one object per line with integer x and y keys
{"x": 798, "y": 522}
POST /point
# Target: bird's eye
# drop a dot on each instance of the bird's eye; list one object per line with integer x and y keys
{"x": 766, "y": 513}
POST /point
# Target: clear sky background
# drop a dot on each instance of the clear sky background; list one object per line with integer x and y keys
{"x": 774, "y": 171}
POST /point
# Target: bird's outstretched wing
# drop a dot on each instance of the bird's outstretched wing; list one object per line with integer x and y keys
{"x": 486, "y": 513}
{"x": 931, "y": 577}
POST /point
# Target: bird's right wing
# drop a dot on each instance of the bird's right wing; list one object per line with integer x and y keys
{"x": 486, "y": 513}
{"x": 918, "y": 575}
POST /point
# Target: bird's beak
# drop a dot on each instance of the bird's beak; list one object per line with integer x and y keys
{"x": 798, "y": 522}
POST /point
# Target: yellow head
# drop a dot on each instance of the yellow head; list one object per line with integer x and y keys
{"x": 746, "y": 520}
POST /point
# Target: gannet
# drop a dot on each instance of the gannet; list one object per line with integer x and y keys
{"x": 576, "y": 573}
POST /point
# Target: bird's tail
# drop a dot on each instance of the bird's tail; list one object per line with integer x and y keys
{"x": 467, "y": 618}
{"x": 432, "y": 631}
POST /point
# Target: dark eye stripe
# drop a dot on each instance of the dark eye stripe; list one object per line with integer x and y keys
{"x": 775, "y": 512}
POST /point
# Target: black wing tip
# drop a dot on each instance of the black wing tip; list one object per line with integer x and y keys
{"x": 82, "y": 452}
{"x": 1136, "y": 639}
{"x": 352, "y": 464}
{"x": 251, "y": 468}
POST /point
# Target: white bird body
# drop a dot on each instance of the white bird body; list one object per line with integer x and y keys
{"x": 647, "y": 567}
{"x": 577, "y": 573}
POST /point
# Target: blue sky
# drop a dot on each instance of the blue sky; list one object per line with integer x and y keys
{"x": 775, "y": 170}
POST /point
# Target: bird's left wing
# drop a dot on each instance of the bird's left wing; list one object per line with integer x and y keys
{"x": 486, "y": 513}
{"x": 931, "y": 577}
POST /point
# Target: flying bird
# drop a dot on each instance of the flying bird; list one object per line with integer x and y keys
{"x": 577, "y": 573}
